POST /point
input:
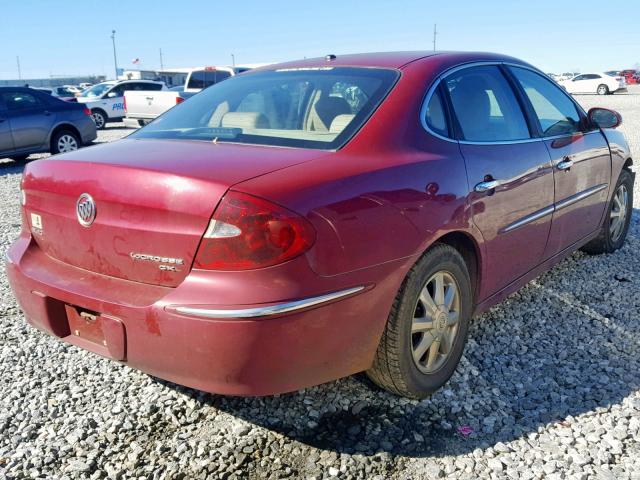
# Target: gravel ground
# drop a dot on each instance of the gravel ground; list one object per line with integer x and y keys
{"x": 549, "y": 387}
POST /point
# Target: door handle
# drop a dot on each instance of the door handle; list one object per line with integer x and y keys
{"x": 487, "y": 186}
{"x": 565, "y": 164}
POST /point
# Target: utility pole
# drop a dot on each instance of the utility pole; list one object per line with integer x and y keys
{"x": 115, "y": 59}
{"x": 19, "y": 71}
{"x": 161, "y": 64}
{"x": 233, "y": 60}
{"x": 435, "y": 32}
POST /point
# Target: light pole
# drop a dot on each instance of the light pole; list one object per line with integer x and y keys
{"x": 115, "y": 59}
{"x": 435, "y": 32}
{"x": 19, "y": 71}
{"x": 233, "y": 60}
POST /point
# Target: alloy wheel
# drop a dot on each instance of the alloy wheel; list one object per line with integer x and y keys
{"x": 435, "y": 322}
{"x": 67, "y": 143}
{"x": 98, "y": 119}
{"x": 619, "y": 212}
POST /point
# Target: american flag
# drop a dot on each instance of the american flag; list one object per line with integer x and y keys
{"x": 135, "y": 61}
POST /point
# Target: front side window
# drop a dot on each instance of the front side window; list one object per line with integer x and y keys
{"x": 96, "y": 90}
{"x": 485, "y": 105}
{"x": 556, "y": 113}
{"x": 299, "y": 107}
{"x": 16, "y": 101}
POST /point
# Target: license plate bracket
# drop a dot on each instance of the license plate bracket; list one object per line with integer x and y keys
{"x": 97, "y": 332}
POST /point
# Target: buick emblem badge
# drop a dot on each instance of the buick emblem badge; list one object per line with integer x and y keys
{"x": 85, "y": 210}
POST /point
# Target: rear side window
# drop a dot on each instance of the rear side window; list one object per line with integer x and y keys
{"x": 149, "y": 86}
{"x": 556, "y": 113}
{"x": 435, "y": 115}
{"x": 16, "y": 101}
{"x": 485, "y": 106}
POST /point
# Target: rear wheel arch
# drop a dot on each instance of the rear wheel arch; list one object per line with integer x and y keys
{"x": 469, "y": 249}
{"x": 60, "y": 128}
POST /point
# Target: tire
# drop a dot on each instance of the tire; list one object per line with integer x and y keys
{"x": 65, "y": 141}
{"x": 602, "y": 89}
{"x": 616, "y": 222}
{"x": 99, "y": 118}
{"x": 394, "y": 367}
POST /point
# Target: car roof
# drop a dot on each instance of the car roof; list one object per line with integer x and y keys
{"x": 386, "y": 59}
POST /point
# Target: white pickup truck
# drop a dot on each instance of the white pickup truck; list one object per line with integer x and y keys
{"x": 142, "y": 107}
{"x": 106, "y": 99}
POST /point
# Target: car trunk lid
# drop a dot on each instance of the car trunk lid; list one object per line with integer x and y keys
{"x": 153, "y": 201}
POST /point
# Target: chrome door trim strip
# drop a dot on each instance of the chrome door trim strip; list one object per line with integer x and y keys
{"x": 528, "y": 219}
{"x": 553, "y": 208}
{"x": 276, "y": 309}
{"x": 580, "y": 196}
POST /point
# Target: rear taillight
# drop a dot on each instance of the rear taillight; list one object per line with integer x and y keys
{"x": 124, "y": 104}
{"x": 87, "y": 111}
{"x": 247, "y": 232}
{"x": 179, "y": 100}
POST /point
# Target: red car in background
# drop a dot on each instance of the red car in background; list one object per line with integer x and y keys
{"x": 631, "y": 76}
{"x": 310, "y": 220}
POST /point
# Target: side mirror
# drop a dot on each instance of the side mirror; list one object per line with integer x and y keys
{"x": 112, "y": 95}
{"x": 604, "y": 118}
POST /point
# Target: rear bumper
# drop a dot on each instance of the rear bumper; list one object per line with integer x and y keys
{"x": 241, "y": 355}
{"x": 130, "y": 122}
{"x": 87, "y": 129}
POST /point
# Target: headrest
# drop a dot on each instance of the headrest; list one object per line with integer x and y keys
{"x": 248, "y": 120}
{"x": 340, "y": 123}
{"x": 328, "y": 108}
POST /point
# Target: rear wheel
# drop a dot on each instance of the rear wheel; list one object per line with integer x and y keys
{"x": 616, "y": 223}
{"x": 603, "y": 90}
{"x": 427, "y": 327}
{"x": 99, "y": 118}
{"x": 65, "y": 141}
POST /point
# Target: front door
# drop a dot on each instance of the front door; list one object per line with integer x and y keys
{"x": 580, "y": 156}
{"x": 509, "y": 173}
{"x": 6, "y": 141}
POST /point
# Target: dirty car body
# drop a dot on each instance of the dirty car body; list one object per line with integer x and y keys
{"x": 353, "y": 182}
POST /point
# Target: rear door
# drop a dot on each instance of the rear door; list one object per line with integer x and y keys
{"x": 30, "y": 117}
{"x": 509, "y": 173}
{"x": 580, "y": 157}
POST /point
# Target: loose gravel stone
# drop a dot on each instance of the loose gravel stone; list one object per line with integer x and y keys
{"x": 548, "y": 387}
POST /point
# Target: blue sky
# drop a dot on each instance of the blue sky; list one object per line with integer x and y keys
{"x": 57, "y": 38}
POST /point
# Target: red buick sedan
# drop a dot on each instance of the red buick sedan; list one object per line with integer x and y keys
{"x": 310, "y": 220}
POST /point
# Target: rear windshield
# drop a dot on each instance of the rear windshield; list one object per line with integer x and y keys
{"x": 301, "y": 107}
{"x": 206, "y": 78}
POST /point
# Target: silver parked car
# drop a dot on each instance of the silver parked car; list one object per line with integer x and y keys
{"x": 32, "y": 121}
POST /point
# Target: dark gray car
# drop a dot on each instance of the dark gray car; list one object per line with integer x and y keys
{"x": 32, "y": 121}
